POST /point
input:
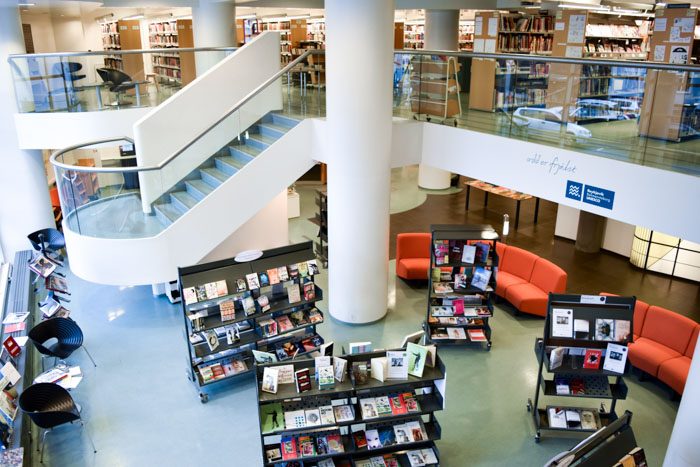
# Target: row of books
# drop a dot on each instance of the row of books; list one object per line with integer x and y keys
{"x": 456, "y": 252}
{"x": 566, "y": 324}
{"x": 527, "y": 23}
{"x": 165, "y": 26}
{"x": 613, "y": 30}
{"x": 402, "y": 433}
{"x": 163, "y": 40}
{"x": 170, "y": 73}
{"x": 474, "y": 335}
{"x": 614, "y": 47}
{"x": 416, "y": 458}
{"x": 525, "y": 43}
{"x": 169, "y": 61}
{"x": 572, "y": 418}
{"x": 111, "y": 41}
{"x": 273, "y": 326}
{"x": 522, "y": 97}
{"x": 534, "y": 70}
{"x": 232, "y": 334}
{"x": 290, "y": 349}
{"x": 457, "y": 313}
{"x": 611, "y": 71}
{"x": 570, "y": 386}
{"x": 275, "y": 418}
{"x": 613, "y": 359}
{"x": 298, "y": 447}
{"x": 222, "y": 369}
{"x": 479, "y": 280}
{"x": 108, "y": 28}
{"x": 391, "y": 405}
{"x": 252, "y": 281}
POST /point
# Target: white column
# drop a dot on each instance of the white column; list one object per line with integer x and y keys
{"x": 25, "y": 205}
{"x": 441, "y": 33}
{"x": 359, "y": 115}
{"x": 683, "y": 448}
{"x": 214, "y": 25}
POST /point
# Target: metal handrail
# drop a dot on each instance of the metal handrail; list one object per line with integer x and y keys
{"x": 174, "y": 155}
{"x": 122, "y": 52}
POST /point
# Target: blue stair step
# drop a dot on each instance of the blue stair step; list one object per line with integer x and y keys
{"x": 283, "y": 120}
{"x": 243, "y": 153}
{"x": 259, "y": 141}
{"x": 229, "y": 165}
{"x": 272, "y": 129}
{"x": 167, "y": 213}
{"x": 182, "y": 200}
{"x": 213, "y": 176}
{"x": 198, "y": 189}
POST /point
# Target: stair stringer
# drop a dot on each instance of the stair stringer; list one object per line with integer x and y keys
{"x": 198, "y": 231}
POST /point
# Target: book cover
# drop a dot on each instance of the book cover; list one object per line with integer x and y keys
{"x": 481, "y": 278}
{"x": 435, "y": 274}
{"x": 588, "y": 421}
{"x": 227, "y": 308}
{"x": 273, "y": 276}
{"x": 390, "y": 460}
{"x": 360, "y": 439}
{"x": 309, "y": 291}
{"x": 303, "y": 268}
{"x": 313, "y": 417}
{"x": 190, "y": 295}
{"x": 416, "y": 431}
{"x": 272, "y": 417}
{"x": 264, "y": 357}
{"x": 442, "y": 311}
{"x": 233, "y": 335}
{"x": 416, "y": 359}
{"x": 298, "y": 318}
{"x": 340, "y": 366}
{"x": 315, "y": 316}
{"x": 360, "y": 373}
{"x": 293, "y": 271}
{"x": 343, "y": 413}
{"x": 326, "y": 378}
{"x": 482, "y": 252}
{"x": 429, "y": 456}
{"x": 372, "y": 437}
{"x": 457, "y": 333}
{"x": 562, "y": 322}
{"x": 359, "y": 347}
{"x": 201, "y": 293}
{"x": 285, "y": 374}
{"x": 556, "y": 357}
{"x": 263, "y": 303}
{"x": 42, "y": 266}
{"x": 411, "y": 402}
{"x": 263, "y": 279}
{"x": 378, "y": 368}
{"x": 270, "y": 380}
{"x": 615, "y": 358}
{"x": 415, "y": 458}
{"x": 604, "y": 329}
{"x": 622, "y": 330}
{"x": 557, "y": 417}
{"x": 268, "y": 327}
{"x": 335, "y": 443}
{"x": 284, "y": 324}
{"x": 240, "y": 285}
{"x": 302, "y": 379}
{"x": 293, "y": 293}
{"x": 288, "y": 446}
{"x": 455, "y": 249}
{"x": 221, "y": 288}
{"x": 212, "y": 339}
{"x": 211, "y": 290}
{"x": 252, "y": 280}
{"x": 442, "y": 288}
{"x": 582, "y": 329}
{"x": 441, "y": 251}
{"x": 322, "y": 448}
{"x": 398, "y": 364}
{"x": 326, "y": 414}
{"x": 468, "y": 254}
{"x": 294, "y": 419}
{"x": 476, "y": 335}
{"x": 387, "y": 436}
{"x": 248, "y": 305}
{"x": 401, "y": 433}
{"x": 591, "y": 359}
{"x": 218, "y": 371}
{"x": 273, "y": 454}
{"x": 238, "y": 366}
{"x": 573, "y": 419}
{"x": 383, "y": 406}
{"x": 313, "y": 267}
{"x": 398, "y": 407}
{"x": 460, "y": 282}
{"x": 282, "y": 273}
{"x": 369, "y": 408}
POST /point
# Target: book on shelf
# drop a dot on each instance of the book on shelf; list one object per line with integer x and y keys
{"x": 273, "y": 276}
{"x": 298, "y": 318}
{"x": 343, "y": 413}
{"x": 273, "y": 454}
{"x": 476, "y": 335}
{"x": 591, "y": 359}
{"x": 313, "y": 417}
{"x": 294, "y": 419}
{"x": 263, "y": 303}
{"x": 615, "y": 358}
{"x": 241, "y": 285}
{"x": 326, "y": 415}
{"x": 313, "y": 267}
{"x": 285, "y": 374}
{"x": 227, "y": 309}
{"x": 309, "y": 291}
{"x": 323, "y": 360}
{"x": 468, "y": 254}
{"x": 264, "y": 357}
{"x": 360, "y": 439}
{"x": 211, "y": 290}
{"x": 456, "y": 333}
{"x": 383, "y": 406}
{"x": 339, "y": 368}
{"x": 326, "y": 378}
{"x": 397, "y": 404}
{"x": 272, "y": 417}
{"x": 397, "y": 367}
{"x": 431, "y": 356}
{"x": 379, "y": 368}
{"x": 439, "y": 333}
{"x": 482, "y": 252}
{"x": 303, "y": 269}
{"x": 252, "y": 280}
{"x": 283, "y": 273}
{"x": 42, "y": 266}
{"x": 562, "y": 322}
{"x": 359, "y": 347}
{"x": 201, "y": 293}
{"x": 556, "y": 357}
{"x": 293, "y": 270}
{"x": 417, "y": 355}
{"x": 307, "y": 447}
{"x": 421, "y": 457}
{"x": 442, "y": 288}
{"x": 248, "y": 305}
{"x": 582, "y": 329}
{"x": 293, "y": 293}
{"x": 368, "y": 407}
{"x": 284, "y": 324}
{"x": 270, "y": 380}
{"x": 212, "y": 339}
{"x": 268, "y": 327}
{"x": 302, "y": 379}
{"x": 441, "y": 252}
{"x": 461, "y": 282}
{"x": 233, "y": 335}
{"x": 360, "y": 372}
{"x": 289, "y": 448}
{"x": 335, "y": 443}
{"x": 481, "y": 277}
{"x": 315, "y": 316}
{"x": 372, "y": 437}
{"x": 264, "y": 279}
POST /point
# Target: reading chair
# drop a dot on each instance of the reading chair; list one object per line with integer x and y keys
{"x": 64, "y": 335}
{"x": 413, "y": 256}
{"x": 119, "y": 82}
{"x": 48, "y": 242}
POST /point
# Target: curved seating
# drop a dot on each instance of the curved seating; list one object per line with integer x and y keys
{"x": 413, "y": 255}
{"x": 525, "y": 279}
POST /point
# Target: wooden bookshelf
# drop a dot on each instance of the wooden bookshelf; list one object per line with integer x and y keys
{"x": 130, "y": 39}
{"x": 172, "y": 67}
{"x": 398, "y": 36}
{"x": 414, "y": 36}
{"x": 435, "y": 87}
{"x": 111, "y": 41}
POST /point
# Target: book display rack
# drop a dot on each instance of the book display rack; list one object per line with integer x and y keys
{"x": 584, "y": 346}
{"x": 232, "y": 309}
{"x": 321, "y": 220}
{"x": 414, "y": 36}
{"x": 172, "y": 67}
{"x": 435, "y": 87}
{"x": 331, "y": 412}
{"x": 463, "y": 265}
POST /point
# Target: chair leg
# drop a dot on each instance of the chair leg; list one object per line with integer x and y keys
{"x": 43, "y": 445}
{"x": 88, "y": 354}
{"x": 94, "y": 449}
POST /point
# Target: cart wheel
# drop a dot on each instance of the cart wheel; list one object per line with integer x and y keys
{"x": 529, "y": 405}
{"x": 427, "y": 119}
{"x": 325, "y": 265}
{"x": 415, "y": 117}
{"x": 488, "y": 347}
{"x": 537, "y": 438}
{"x": 189, "y": 375}
{"x": 204, "y": 398}
{"x": 455, "y": 122}
{"x": 602, "y": 407}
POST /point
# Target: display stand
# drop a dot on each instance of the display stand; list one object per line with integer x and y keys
{"x": 579, "y": 363}
{"x": 458, "y": 308}
{"x": 321, "y": 220}
{"x": 220, "y": 347}
{"x": 277, "y": 413}
{"x": 435, "y": 87}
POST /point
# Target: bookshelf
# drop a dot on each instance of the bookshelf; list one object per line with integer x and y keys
{"x": 435, "y": 87}
{"x": 671, "y": 110}
{"x": 123, "y": 35}
{"x": 343, "y": 431}
{"x": 110, "y": 41}
{"x": 414, "y": 36}
{"x": 584, "y": 353}
{"x": 466, "y": 35}
{"x": 321, "y": 220}
{"x": 227, "y": 317}
{"x": 172, "y": 68}
{"x": 459, "y": 307}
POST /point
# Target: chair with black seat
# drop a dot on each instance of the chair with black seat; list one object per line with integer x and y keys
{"x": 58, "y": 338}
{"x": 49, "y": 405}
{"x": 48, "y": 241}
{"x": 118, "y": 81}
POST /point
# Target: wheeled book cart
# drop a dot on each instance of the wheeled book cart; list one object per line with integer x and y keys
{"x": 435, "y": 88}
{"x": 278, "y": 410}
{"x": 442, "y": 328}
{"x": 238, "y": 332}
{"x": 595, "y": 322}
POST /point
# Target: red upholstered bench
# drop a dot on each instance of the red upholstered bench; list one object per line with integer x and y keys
{"x": 674, "y": 372}
{"x": 413, "y": 255}
{"x": 515, "y": 267}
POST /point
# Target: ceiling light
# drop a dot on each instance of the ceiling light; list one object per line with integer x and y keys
{"x": 570, "y": 6}
{"x": 26, "y": 4}
{"x": 660, "y": 4}
{"x": 126, "y": 18}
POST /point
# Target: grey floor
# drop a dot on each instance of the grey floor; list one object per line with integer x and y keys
{"x": 142, "y": 410}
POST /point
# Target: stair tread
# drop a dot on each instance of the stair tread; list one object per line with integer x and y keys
{"x": 170, "y": 211}
{"x": 275, "y": 126}
{"x": 216, "y": 173}
{"x": 185, "y": 198}
{"x": 201, "y": 186}
{"x": 250, "y": 150}
{"x": 285, "y": 117}
{"x": 231, "y": 161}
{"x": 262, "y": 138}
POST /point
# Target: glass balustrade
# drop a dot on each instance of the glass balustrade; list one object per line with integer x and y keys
{"x": 96, "y": 81}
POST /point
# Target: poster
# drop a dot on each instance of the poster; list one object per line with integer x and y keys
{"x": 573, "y": 51}
{"x": 659, "y": 53}
{"x": 559, "y": 26}
{"x": 686, "y": 24}
{"x": 577, "y": 29}
{"x": 493, "y": 26}
{"x": 490, "y": 46}
{"x": 660, "y": 25}
{"x": 562, "y": 322}
{"x": 478, "y": 25}
{"x": 675, "y": 34}
{"x": 479, "y": 45}
{"x": 679, "y": 54}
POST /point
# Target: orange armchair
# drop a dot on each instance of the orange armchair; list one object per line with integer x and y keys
{"x": 413, "y": 256}
{"x": 532, "y": 297}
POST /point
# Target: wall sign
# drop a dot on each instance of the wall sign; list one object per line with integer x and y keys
{"x": 590, "y": 194}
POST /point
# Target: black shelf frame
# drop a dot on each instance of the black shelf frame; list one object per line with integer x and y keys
{"x": 589, "y": 307}
{"x": 463, "y": 234}
{"x": 231, "y": 270}
{"x": 430, "y": 401}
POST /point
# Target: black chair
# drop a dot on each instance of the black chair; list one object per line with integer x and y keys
{"x": 64, "y": 335}
{"x": 49, "y": 405}
{"x": 48, "y": 242}
{"x": 118, "y": 81}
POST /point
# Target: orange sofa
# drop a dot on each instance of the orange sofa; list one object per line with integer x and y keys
{"x": 413, "y": 255}
{"x": 525, "y": 280}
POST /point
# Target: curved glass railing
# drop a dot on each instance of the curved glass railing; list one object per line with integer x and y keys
{"x": 101, "y": 186}
{"x": 87, "y": 81}
{"x": 639, "y": 112}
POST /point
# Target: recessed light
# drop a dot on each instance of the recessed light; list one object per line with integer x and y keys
{"x": 26, "y": 4}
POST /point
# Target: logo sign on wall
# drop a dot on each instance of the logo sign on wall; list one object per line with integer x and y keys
{"x": 590, "y": 194}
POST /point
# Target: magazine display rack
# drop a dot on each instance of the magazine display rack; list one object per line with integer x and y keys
{"x": 463, "y": 266}
{"x": 584, "y": 346}
{"x": 232, "y": 308}
{"x": 353, "y": 421}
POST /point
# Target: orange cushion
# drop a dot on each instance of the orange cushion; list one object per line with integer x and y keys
{"x": 640, "y": 312}
{"x": 505, "y": 280}
{"x": 518, "y": 262}
{"x": 412, "y": 245}
{"x": 668, "y": 328}
{"x": 528, "y": 298}
{"x": 648, "y": 355}
{"x": 500, "y": 251}
{"x": 674, "y": 372}
{"x": 693, "y": 342}
{"x": 548, "y": 276}
{"x": 413, "y": 268}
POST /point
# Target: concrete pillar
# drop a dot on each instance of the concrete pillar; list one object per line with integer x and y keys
{"x": 359, "y": 115}
{"x": 214, "y": 25}
{"x": 441, "y": 33}
{"x": 683, "y": 448}
{"x": 25, "y": 205}
{"x": 591, "y": 228}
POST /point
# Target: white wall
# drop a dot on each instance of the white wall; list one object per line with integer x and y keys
{"x": 42, "y": 32}
{"x": 617, "y": 237}
{"x": 68, "y": 34}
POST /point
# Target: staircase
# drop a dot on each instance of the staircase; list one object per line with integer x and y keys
{"x": 221, "y": 166}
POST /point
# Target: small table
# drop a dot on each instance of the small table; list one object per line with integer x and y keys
{"x": 502, "y": 191}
